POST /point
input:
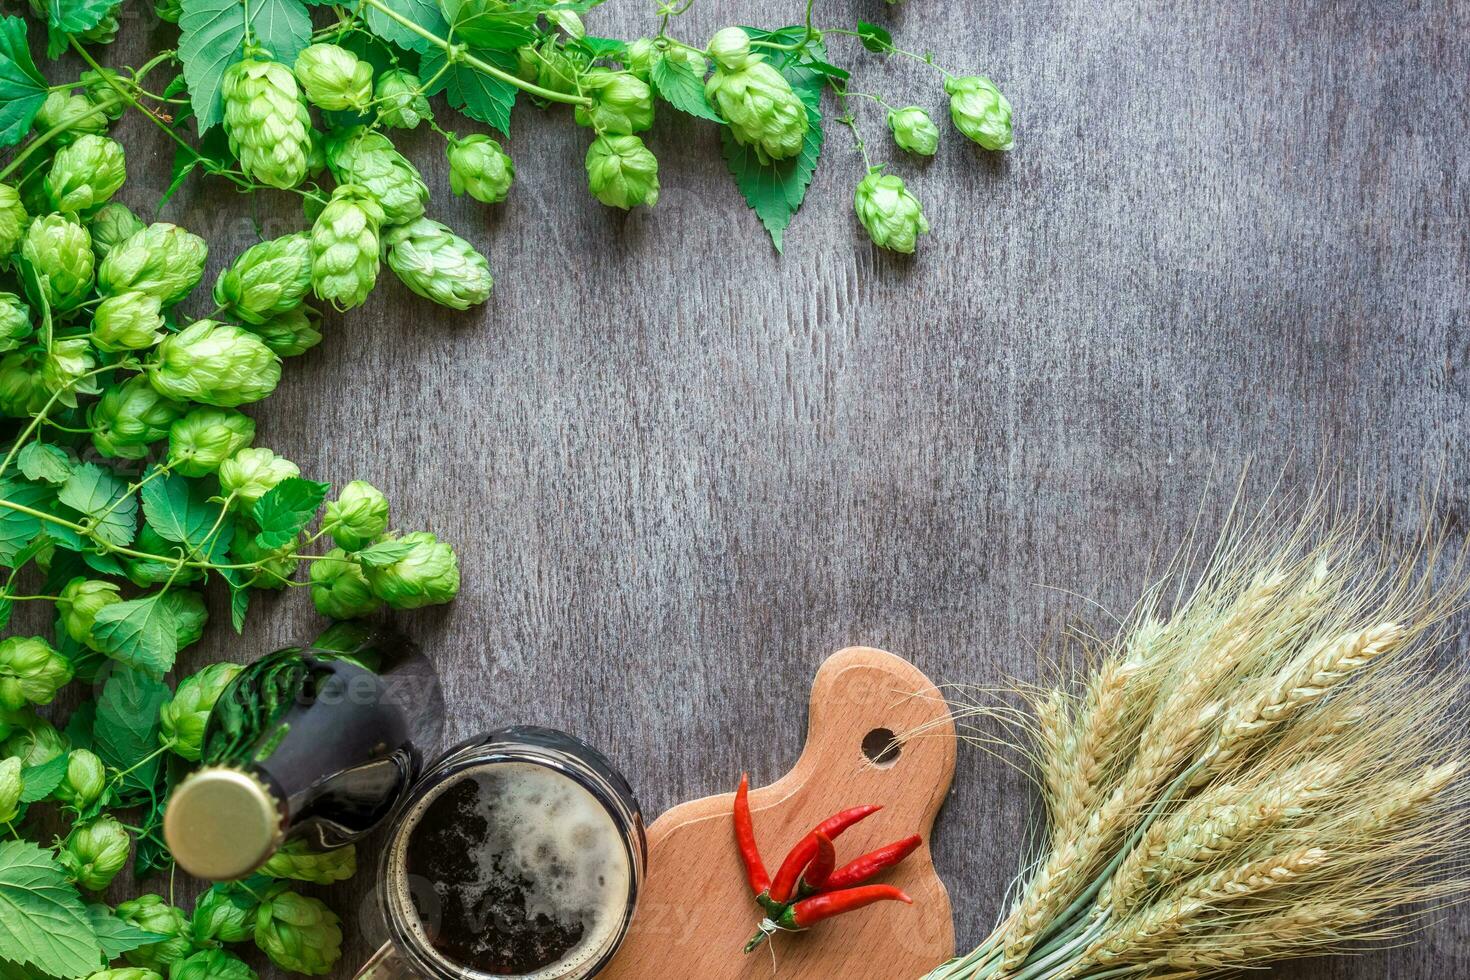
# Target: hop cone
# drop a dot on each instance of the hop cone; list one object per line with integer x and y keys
{"x": 913, "y": 130}
{"x": 36, "y": 742}
{"x": 344, "y": 247}
{"x": 60, "y": 250}
{"x": 12, "y": 785}
{"x": 335, "y": 79}
{"x": 86, "y": 777}
{"x": 182, "y": 719}
{"x": 298, "y": 933}
{"x": 225, "y": 913}
{"x": 273, "y": 567}
{"x": 755, "y": 99}
{"x": 400, "y": 102}
{"x": 79, "y": 603}
{"x": 267, "y": 279}
{"x": 200, "y": 441}
{"x": 339, "y": 589}
{"x": 15, "y": 321}
{"x": 168, "y": 10}
{"x": 980, "y": 111}
{"x": 162, "y": 260}
{"x": 297, "y": 861}
{"x": 641, "y": 55}
{"x": 621, "y": 102}
{"x": 144, "y": 572}
{"x": 211, "y": 964}
{"x": 112, "y": 225}
{"x": 251, "y": 473}
{"x": 357, "y": 516}
{"x": 127, "y": 973}
{"x": 367, "y": 158}
{"x": 622, "y": 172}
{"x": 438, "y": 265}
{"x": 13, "y": 219}
{"x": 99, "y": 90}
{"x": 30, "y": 672}
{"x": 96, "y": 852}
{"x": 152, "y": 914}
{"x": 427, "y": 575}
{"x": 128, "y": 321}
{"x": 214, "y": 364}
{"x": 889, "y": 212}
{"x": 130, "y": 417}
{"x": 73, "y": 114}
{"x": 266, "y": 121}
{"x": 479, "y": 167}
{"x": 21, "y": 391}
{"x": 291, "y": 333}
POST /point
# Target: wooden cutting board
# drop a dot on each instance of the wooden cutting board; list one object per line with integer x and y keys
{"x": 696, "y": 913}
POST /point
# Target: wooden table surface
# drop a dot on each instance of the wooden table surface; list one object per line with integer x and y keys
{"x": 680, "y": 469}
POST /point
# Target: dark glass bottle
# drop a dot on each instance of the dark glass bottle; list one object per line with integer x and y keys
{"x": 318, "y": 742}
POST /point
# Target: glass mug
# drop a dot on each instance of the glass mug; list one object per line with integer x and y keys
{"x": 519, "y": 853}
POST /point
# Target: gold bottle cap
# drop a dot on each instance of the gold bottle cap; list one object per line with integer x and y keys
{"x": 221, "y": 824}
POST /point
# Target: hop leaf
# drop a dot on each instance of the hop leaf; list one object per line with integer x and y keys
{"x": 85, "y": 174}
{"x": 86, "y": 776}
{"x": 621, "y": 102}
{"x": 913, "y": 130}
{"x": 297, "y": 861}
{"x": 268, "y": 279}
{"x": 755, "y": 99}
{"x": 400, "y": 99}
{"x": 439, "y": 265}
{"x": 30, "y": 672}
{"x": 980, "y": 111}
{"x": 128, "y": 321}
{"x": 162, "y": 260}
{"x": 339, "y": 589}
{"x": 334, "y": 78}
{"x": 622, "y": 172}
{"x": 298, "y": 933}
{"x": 479, "y": 167}
{"x": 266, "y": 121}
{"x": 215, "y": 364}
{"x": 889, "y": 212}
{"x": 367, "y": 158}
{"x": 130, "y": 417}
{"x": 60, "y": 250}
{"x": 182, "y": 720}
{"x": 344, "y": 247}
{"x": 251, "y": 473}
{"x": 96, "y": 852}
{"x": 357, "y": 516}
{"x": 13, "y": 219}
{"x": 427, "y": 575}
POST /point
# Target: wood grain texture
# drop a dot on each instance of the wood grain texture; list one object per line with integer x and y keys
{"x": 857, "y": 692}
{"x": 680, "y": 469}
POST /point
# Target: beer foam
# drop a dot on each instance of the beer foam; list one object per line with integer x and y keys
{"x": 542, "y": 846}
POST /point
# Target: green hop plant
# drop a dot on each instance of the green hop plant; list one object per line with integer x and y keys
{"x": 211, "y": 964}
{"x": 130, "y": 417}
{"x": 225, "y": 913}
{"x": 60, "y": 250}
{"x": 297, "y": 861}
{"x": 334, "y": 78}
{"x": 400, "y": 99}
{"x": 621, "y": 102}
{"x": 15, "y": 321}
{"x": 339, "y": 589}
{"x": 437, "y": 264}
{"x": 889, "y": 212}
{"x": 367, "y": 158}
{"x": 79, "y": 603}
{"x": 203, "y": 439}
{"x": 551, "y": 65}
{"x": 127, "y": 973}
{"x": 152, "y": 914}
{"x": 12, "y": 784}
{"x": 33, "y": 739}
{"x": 216, "y": 364}
{"x": 267, "y": 121}
{"x": 111, "y": 225}
{"x": 640, "y": 57}
{"x": 913, "y": 130}
{"x": 268, "y": 279}
{"x": 622, "y": 172}
{"x": 980, "y": 111}
{"x": 291, "y": 333}
{"x": 182, "y": 719}
{"x": 357, "y": 516}
{"x": 479, "y": 167}
{"x": 427, "y": 575}
{"x": 298, "y": 933}
{"x": 85, "y": 174}
{"x": 97, "y": 86}
{"x": 128, "y": 321}
{"x": 316, "y": 159}
{"x": 168, "y": 10}
{"x": 30, "y": 672}
{"x": 13, "y": 219}
{"x": 74, "y": 114}
{"x": 85, "y": 779}
{"x": 144, "y": 572}
{"x": 274, "y": 566}
{"x": 755, "y": 99}
{"x": 64, "y": 367}
{"x": 95, "y": 852}
{"x": 251, "y": 473}
{"x": 21, "y": 390}
{"x": 162, "y": 260}
{"x": 344, "y": 247}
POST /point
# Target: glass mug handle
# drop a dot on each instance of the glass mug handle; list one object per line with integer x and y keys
{"x": 386, "y": 964}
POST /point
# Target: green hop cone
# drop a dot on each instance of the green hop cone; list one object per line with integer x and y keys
{"x": 144, "y": 572}
{"x": 437, "y": 264}
{"x": 367, "y": 158}
{"x": 889, "y": 212}
{"x": 339, "y": 589}
{"x": 127, "y": 973}
{"x": 110, "y": 226}
{"x": 268, "y": 279}
{"x": 755, "y": 99}
{"x": 214, "y": 364}
{"x": 251, "y": 473}
{"x": 74, "y": 114}
{"x": 980, "y": 111}
{"x": 99, "y": 90}
{"x": 128, "y": 321}
{"x": 913, "y": 130}
{"x": 211, "y": 964}
{"x": 344, "y": 247}
{"x": 225, "y": 913}
{"x": 21, "y": 390}
{"x": 621, "y": 102}
{"x": 15, "y": 322}
{"x": 400, "y": 100}
{"x": 551, "y": 65}
{"x": 334, "y": 78}
{"x": 130, "y": 417}
{"x": 59, "y": 248}
{"x": 203, "y": 439}
{"x": 480, "y": 168}
{"x": 64, "y": 367}
{"x": 94, "y": 853}
{"x": 85, "y": 779}
{"x": 297, "y": 861}
{"x": 168, "y": 10}
{"x": 85, "y": 174}
{"x": 641, "y": 55}
{"x": 33, "y": 739}
{"x": 357, "y": 516}
{"x": 30, "y": 672}
{"x": 622, "y": 172}
{"x": 79, "y": 603}
{"x": 427, "y": 575}
{"x": 267, "y": 121}
{"x": 13, "y": 219}
{"x": 291, "y": 333}
{"x": 11, "y": 786}
{"x": 152, "y": 914}
{"x": 274, "y": 567}
{"x": 183, "y": 718}
{"x": 298, "y": 933}
{"x": 162, "y": 260}
{"x": 316, "y": 160}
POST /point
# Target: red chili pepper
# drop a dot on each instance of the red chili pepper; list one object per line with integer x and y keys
{"x": 801, "y": 855}
{"x": 857, "y": 871}
{"x": 809, "y": 911}
{"x": 750, "y": 855}
{"x": 814, "y": 878}
{"x": 834, "y": 825}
